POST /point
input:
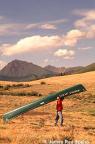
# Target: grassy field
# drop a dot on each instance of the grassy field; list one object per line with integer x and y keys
{"x": 37, "y": 126}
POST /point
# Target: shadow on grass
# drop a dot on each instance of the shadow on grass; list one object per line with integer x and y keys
{"x": 37, "y": 113}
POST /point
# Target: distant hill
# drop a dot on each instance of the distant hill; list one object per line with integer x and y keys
{"x": 88, "y": 68}
{"x": 71, "y": 70}
{"x": 18, "y": 70}
{"x": 59, "y": 70}
{"x": 55, "y": 70}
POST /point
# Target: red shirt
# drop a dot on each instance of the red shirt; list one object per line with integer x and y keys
{"x": 59, "y": 106}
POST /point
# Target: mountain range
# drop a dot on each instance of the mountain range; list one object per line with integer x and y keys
{"x": 18, "y": 70}
{"x": 71, "y": 70}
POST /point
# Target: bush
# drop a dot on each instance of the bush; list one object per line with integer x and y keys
{"x": 27, "y": 85}
{"x": 6, "y": 87}
{"x": 91, "y": 112}
{"x": 20, "y": 85}
{"x": 14, "y": 85}
{"x": 21, "y": 94}
{"x": 43, "y": 83}
{"x": 34, "y": 93}
{"x": 1, "y": 86}
{"x": 40, "y": 94}
{"x": 17, "y": 85}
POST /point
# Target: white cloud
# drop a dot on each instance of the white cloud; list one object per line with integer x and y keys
{"x": 34, "y": 43}
{"x": 66, "y": 54}
{"x": 32, "y": 26}
{"x": 46, "y": 60}
{"x": 87, "y": 14}
{"x": 37, "y": 43}
{"x": 86, "y": 23}
{"x": 85, "y": 48}
{"x": 11, "y": 29}
{"x": 73, "y": 36}
{"x": 90, "y": 34}
{"x": 2, "y": 64}
{"x": 48, "y": 26}
{"x": 4, "y": 45}
{"x": 59, "y": 21}
{"x": 41, "y": 26}
{"x": 81, "y": 23}
{"x": 88, "y": 17}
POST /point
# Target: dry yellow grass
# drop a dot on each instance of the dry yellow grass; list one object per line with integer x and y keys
{"x": 37, "y": 126}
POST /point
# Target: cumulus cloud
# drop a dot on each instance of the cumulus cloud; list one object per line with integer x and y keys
{"x": 73, "y": 36}
{"x": 33, "y": 43}
{"x": 65, "y": 53}
{"x": 2, "y": 64}
{"x": 37, "y": 43}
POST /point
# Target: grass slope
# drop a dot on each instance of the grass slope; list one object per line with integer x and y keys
{"x": 37, "y": 126}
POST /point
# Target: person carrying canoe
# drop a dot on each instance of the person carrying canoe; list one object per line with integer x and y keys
{"x": 59, "y": 108}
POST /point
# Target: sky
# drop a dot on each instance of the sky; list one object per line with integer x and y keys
{"x": 47, "y": 32}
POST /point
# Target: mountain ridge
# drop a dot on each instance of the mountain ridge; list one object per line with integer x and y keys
{"x": 72, "y": 70}
{"x": 19, "y": 70}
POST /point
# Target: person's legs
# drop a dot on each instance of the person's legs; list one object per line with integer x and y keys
{"x": 61, "y": 117}
{"x": 57, "y": 118}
